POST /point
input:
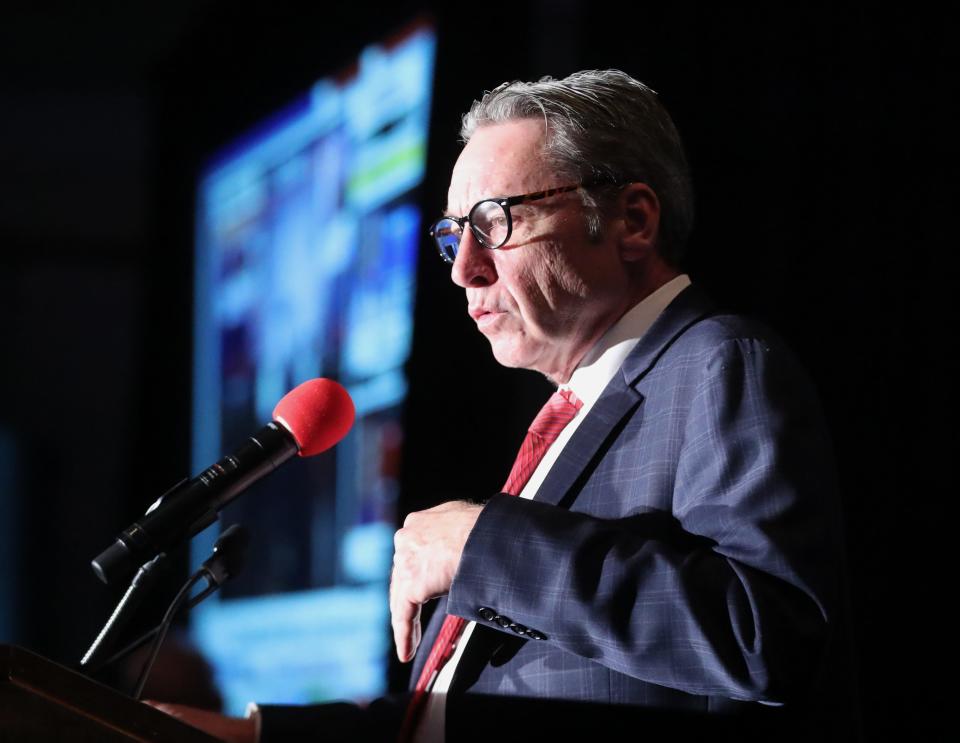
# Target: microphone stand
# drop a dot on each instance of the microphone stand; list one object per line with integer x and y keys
{"x": 226, "y": 561}
{"x": 163, "y": 628}
{"x": 148, "y": 635}
{"x": 144, "y": 579}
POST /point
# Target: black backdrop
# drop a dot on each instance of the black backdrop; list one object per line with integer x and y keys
{"x": 823, "y": 149}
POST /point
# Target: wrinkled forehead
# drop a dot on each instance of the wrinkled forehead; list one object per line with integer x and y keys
{"x": 505, "y": 159}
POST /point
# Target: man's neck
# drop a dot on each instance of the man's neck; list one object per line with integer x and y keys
{"x": 652, "y": 280}
{"x": 608, "y": 352}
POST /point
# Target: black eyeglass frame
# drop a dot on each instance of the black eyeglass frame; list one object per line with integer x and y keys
{"x": 505, "y": 202}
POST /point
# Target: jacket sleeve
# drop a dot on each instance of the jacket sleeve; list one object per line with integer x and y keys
{"x": 730, "y": 592}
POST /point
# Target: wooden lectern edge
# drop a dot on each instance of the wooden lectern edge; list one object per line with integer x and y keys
{"x": 66, "y": 689}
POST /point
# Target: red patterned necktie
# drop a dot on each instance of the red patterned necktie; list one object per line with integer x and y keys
{"x": 558, "y": 411}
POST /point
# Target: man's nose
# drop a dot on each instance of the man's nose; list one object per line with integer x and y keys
{"x": 474, "y": 263}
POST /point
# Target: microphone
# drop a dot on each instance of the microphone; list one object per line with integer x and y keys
{"x": 308, "y": 420}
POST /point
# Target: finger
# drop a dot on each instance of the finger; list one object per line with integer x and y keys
{"x": 406, "y": 625}
{"x": 406, "y": 629}
{"x": 417, "y": 630}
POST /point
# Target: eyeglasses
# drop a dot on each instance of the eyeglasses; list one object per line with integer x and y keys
{"x": 490, "y": 221}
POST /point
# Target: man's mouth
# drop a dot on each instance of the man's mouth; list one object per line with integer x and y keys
{"x": 484, "y": 317}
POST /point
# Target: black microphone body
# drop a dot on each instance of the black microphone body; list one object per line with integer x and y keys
{"x": 193, "y": 505}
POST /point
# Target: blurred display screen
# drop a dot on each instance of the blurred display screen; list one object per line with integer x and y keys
{"x": 307, "y": 233}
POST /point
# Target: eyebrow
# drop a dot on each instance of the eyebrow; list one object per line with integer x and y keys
{"x": 448, "y": 213}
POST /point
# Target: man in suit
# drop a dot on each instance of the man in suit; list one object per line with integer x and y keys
{"x": 678, "y": 546}
{"x": 671, "y": 562}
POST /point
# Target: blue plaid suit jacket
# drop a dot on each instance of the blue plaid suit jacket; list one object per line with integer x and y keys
{"x": 681, "y": 559}
{"x": 683, "y": 553}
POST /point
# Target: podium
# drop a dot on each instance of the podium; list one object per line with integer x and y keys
{"x": 43, "y": 701}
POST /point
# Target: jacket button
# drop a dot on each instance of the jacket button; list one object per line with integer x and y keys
{"x": 518, "y": 628}
{"x": 535, "y": 634}
{"x": 487, "y": 613}
{"x": 502, "y": 621}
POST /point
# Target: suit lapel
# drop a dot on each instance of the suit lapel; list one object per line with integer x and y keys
{"x": 620, "y": 399}
{"x": 615, "y": 404}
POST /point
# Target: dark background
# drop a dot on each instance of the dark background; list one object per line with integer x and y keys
{"x": 822, "y": 141}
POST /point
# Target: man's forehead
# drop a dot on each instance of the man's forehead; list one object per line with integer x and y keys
{"x": 499, "y": 160}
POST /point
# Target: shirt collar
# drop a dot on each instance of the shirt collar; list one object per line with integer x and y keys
{"x": 608, "y": 354}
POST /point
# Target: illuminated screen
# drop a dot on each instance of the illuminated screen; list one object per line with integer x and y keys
{"x": 307, "y": 231}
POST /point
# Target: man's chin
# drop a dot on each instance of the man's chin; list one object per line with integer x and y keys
{"x": 509, "y": 355}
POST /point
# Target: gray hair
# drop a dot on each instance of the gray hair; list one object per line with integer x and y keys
{"x": 602, "y": 125}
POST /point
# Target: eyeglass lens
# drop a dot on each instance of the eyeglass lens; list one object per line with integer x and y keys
{"x": 489, "y": 221}
{"x": 446, "y": 233}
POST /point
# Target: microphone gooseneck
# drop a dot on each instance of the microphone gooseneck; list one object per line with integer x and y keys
{"x": 226, "y": 562}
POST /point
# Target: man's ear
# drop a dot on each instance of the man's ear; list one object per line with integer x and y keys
{"x": 640, "y": 210}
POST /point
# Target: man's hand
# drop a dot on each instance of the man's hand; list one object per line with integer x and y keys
{"x": 231, "y": 729}
{"x": 427, "y": 552}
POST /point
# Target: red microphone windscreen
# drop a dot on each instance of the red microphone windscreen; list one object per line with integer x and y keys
{"x": 318, "y": 413}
